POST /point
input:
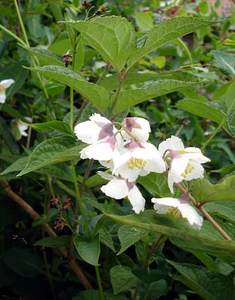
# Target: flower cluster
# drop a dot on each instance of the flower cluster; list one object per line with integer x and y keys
{"x": 126, "y": 152}
{"x": 4, "y": 84}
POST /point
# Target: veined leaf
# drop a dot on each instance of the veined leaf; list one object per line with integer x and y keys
{"x": 209, "y": 285}
{"x": 122, "y": 279}
{"x": 225, "y": 61}
{"x": 51, "y": 151}
{"x": 113, "y": 37}
{"x": 202, "y": 109}
{"x": 46, "y": 57}
{"x": 166, "y": 32}
{"x": 176, "y": 228}
{"x": 52, "y": 125}
{"x": 95, "y": 94}
{"x": 88, "y": 250}
{"x": 138, "y": 93}
{"x": 203, "y": 190}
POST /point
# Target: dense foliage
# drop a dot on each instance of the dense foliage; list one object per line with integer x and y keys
{"x": 63, "y": 234}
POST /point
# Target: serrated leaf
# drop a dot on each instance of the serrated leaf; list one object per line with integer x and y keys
{"x": 51, "y": 151}
{"x": 176, "y": 228}
{"x": 16, "y": 166}
{"x": 202, "y": 109}
{"x": 209, "y": 285}
{"x": 113, "y": 37}
{"x": 225, "y": 61}
{"x": 138, "y": 93}
{"x": 52, "y": 125}
{"x": 122, "y": 279}
{"x": 224, "y": 210}
{"x": 54, "y": 242}
{"x": 95, "y": 94}
{"x": 128, "y": 236}
{"x": 88, "y": 250}
{"x": 46, "y": 57}
{"x": 203, "y": 190}
{"x": 165, "y": 32}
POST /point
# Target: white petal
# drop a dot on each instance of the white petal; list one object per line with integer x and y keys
{"x": 172, "y": 143}
{"x": 190, "y": 213}
{"x": 98, "y": 151}
{"x": 136, "y": 199}
{"x": 178, "y": 166}
{"x": 107, "y": 163}
{"x": 2, "y": 97}
{"x": 140, "y": 130}
{"x": 116, "y": 188}
{"x": 7, "y": 83}
{"x": 22, "y": 128}
{"x": 197, "y": 171}
{"x": 97, "y": 118}
{"x": 171, "y": 180}
{"x": 196, "y": 154}
{"x": 155, "y": 163}
{"x": 162, "y": 205}
{"x": 87, "y": 132}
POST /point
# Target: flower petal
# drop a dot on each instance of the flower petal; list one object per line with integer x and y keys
{"x": 2, "y": 97}
{"x": 98, "y": 151}
{"x": 136, "y": 199}
{"x": 190, "y": 213}
{"x": 116, "y": 188}
{"x": 7, "y": 83}
{"x": 172, "y": 143}
{"x": 162, "y": 205}
{"x": 196, "y": 172}
{"x": 196, "y": 154}
{"x": 139, "y": 128}
{"x": 87, "y": 132}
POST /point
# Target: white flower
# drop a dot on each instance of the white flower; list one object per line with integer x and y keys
{"x": 139, "y": 129}
{"x": 119, "y": 188}
{"x": 137, "y": 159}
{"x": 23, "y": 127}
{"x": 4, "y": 84}
{"x": 187, "y": 211}
{"x": 102, "y": 136}
{"x": 184, "y": 163}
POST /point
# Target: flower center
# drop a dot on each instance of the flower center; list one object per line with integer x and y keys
{"x": 2, "y": 88}
{"x": 174, "y": 211}
{"x": 187, "y": 170}
{"x": 136, "y": 163}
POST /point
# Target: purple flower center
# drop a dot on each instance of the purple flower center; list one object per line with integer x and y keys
{"x": 133, "y": 145}
{"x": 130, "y": 185}
{"x": 184, "y": 198}
{"x": 174, "y": 154}
{"x": 106, "y": 131}
{"x": 131, "y": 123}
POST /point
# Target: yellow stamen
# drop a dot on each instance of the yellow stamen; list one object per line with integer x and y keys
{"x": 173, "y": 211}
{"x": 136, "y": 163}
{"x": 187, "y": 170}
{"x": 2, "y": 88}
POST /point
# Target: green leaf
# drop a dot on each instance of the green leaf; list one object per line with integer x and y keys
{"x": 52, "y": 125}
{"x": 16, "y": 166}
{"x": 113, "y": 37}
{"x": 225, "y": 61}
{"x": 224, "y": 210}
{"x": 202, "y": 109}
{"x": 88, "y": 250}
{"x": 203, "y": 190}
{"x": 165, "y": 32}
{"x": 106, "y": 238}
{"x": 54, "y": 242}
{"x": 95, "y": 94}
{"x": 155, "y": 184}
{"x": 122, "y": 279}
{"x": 176, "y": 228}
{"x": 128, "y": 236}
{"x": 51, "y": 151}
{"x": 46, "y": 57}
{"x": 210, "y": 286}
{"x": 144, "y": 20}
{"x": 138, "y": 93}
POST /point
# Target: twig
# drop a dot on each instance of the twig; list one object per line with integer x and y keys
{"x": 205, "y": 213}
{"x": 34, "y": 215}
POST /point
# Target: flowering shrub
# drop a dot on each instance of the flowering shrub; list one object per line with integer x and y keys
{"x": 130, "y": 101}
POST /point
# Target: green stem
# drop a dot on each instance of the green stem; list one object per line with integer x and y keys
{"x": 101, "y": 291}
{"x": 116, "y": 96}
{"x": 186, "y": 49}
{"x": 13, "y": 35}
{"x": 77, "y": 190}
{"x": 213, "y": 135}
{"x": 21, "y": 23}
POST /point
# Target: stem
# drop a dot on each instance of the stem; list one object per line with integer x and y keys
{"x": 101, "y": 291}
{"x": 213, "y": 135}
{"x": 77, "y": 190}
{"x": 205, "y": 213}
{"x": 34, "y": 215}
{"x": 21, "y": 23}
{"x": 13, "y": 35}
{"x": 121, "y": 77}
